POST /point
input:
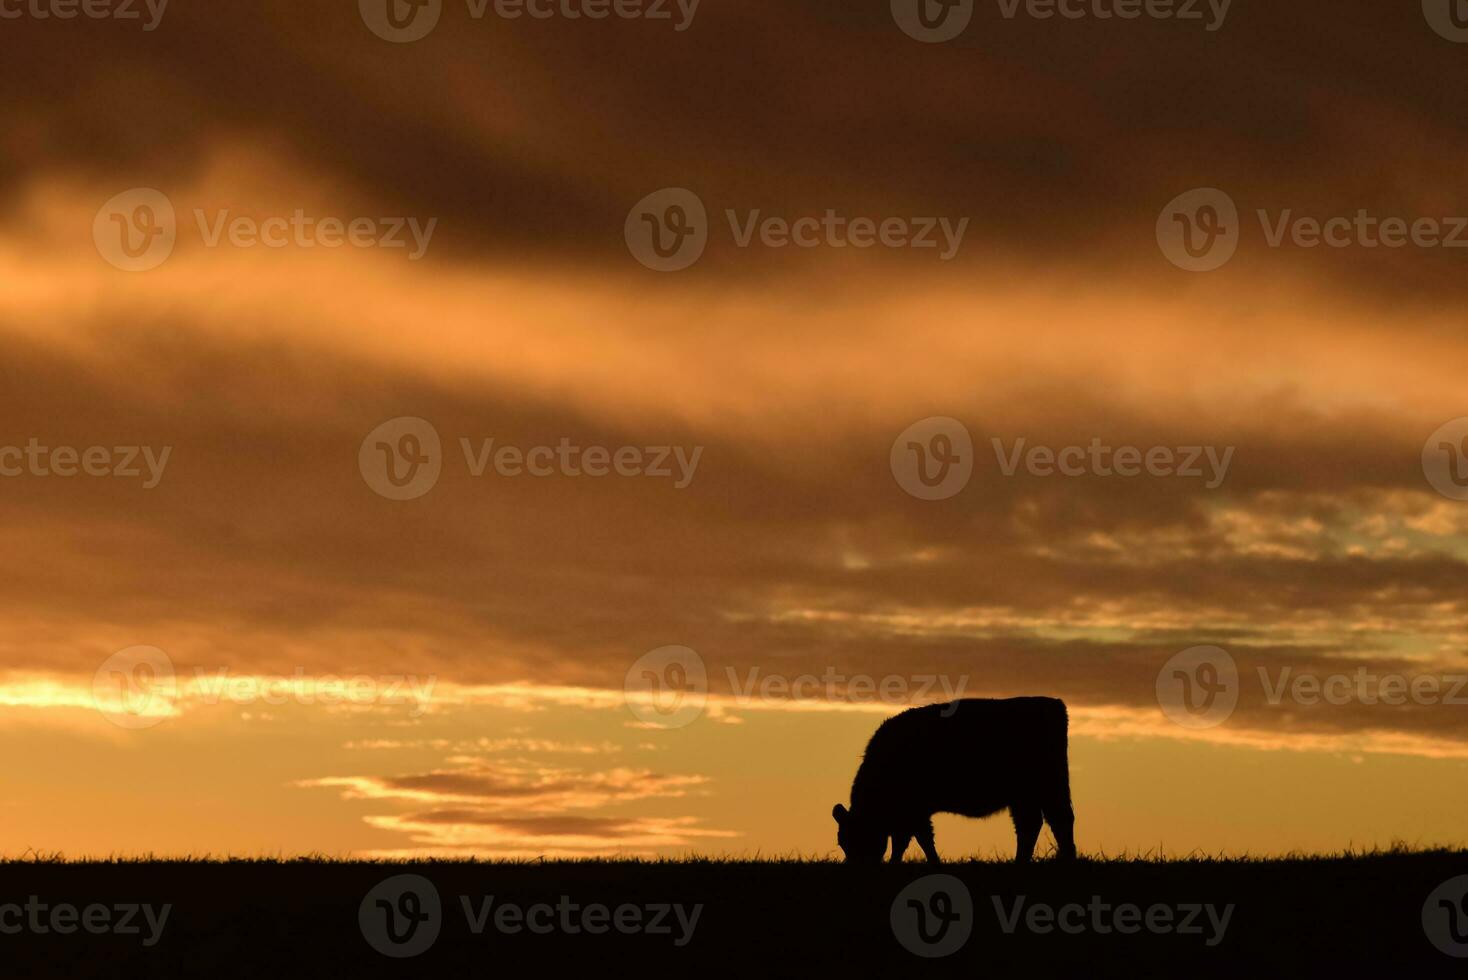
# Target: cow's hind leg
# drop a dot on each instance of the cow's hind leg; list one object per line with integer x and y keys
{"x": 1027, "y": 820}
{"x": 1055, "y": 803}
{"x": 1062, "y": 821}
{"x": 899, "y": 846}
{"x": 925, "y": 841}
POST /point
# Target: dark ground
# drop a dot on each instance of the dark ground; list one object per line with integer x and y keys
{"x": 260, "y": 919}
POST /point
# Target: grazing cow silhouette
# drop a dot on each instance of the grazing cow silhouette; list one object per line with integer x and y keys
{"x": 975, "y": 757}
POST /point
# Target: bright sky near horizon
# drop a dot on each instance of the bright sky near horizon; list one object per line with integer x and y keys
{"x": 397, "y": 523}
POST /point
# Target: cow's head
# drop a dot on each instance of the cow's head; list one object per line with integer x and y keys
{"x": 860, "y": 841}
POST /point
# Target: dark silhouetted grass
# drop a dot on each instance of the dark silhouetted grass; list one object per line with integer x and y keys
{"x": 762, "y": 916}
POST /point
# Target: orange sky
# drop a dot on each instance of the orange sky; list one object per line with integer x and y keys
{"x": 498, "y": 616}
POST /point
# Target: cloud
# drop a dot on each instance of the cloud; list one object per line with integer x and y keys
{"x": 507, "y": 787}
{"x": 537, "y": 146}
{"x": 488, "y": 745}
{"x": 456, "y": 833}
{"x": 263, "y": 550}
{"x": 513, "y": 809}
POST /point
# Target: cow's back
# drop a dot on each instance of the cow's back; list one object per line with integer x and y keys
{"x": 973, "y": 756}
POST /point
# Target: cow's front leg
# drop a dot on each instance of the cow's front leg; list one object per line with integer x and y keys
{"x": 899, "y": 846}
{"x": 1027, "y": 820}
{"x": 925, "y": 841}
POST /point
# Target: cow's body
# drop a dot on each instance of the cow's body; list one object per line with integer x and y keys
{"x": 974, "y": 757}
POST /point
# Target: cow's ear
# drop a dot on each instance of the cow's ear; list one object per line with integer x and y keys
{"x": 839, "y": 812}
